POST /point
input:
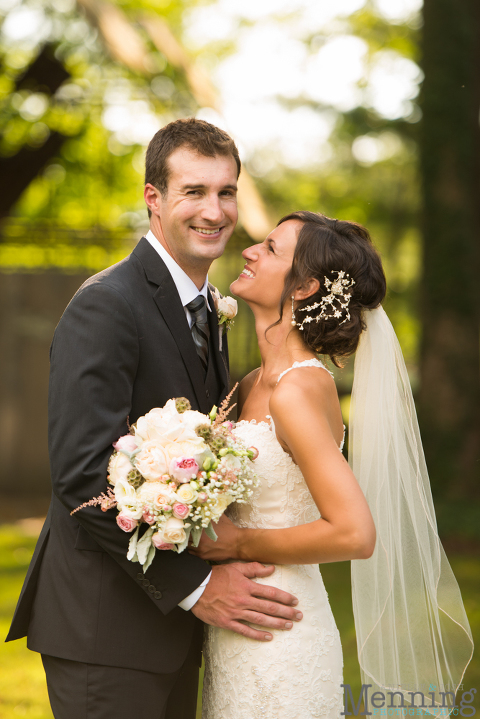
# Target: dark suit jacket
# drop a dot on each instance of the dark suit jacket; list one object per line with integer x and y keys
{"x": 122, "y": 346}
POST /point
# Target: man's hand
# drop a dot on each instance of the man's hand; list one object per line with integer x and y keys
{"x": 231, "y": 598}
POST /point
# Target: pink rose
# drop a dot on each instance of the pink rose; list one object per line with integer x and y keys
{"x": 158, "y": 543}
{"x": 148, "y": 517}
{"x": 183, "y": 469}
{"x": 228, "y": 425}
{"x": 126, "y": 443}
{"x": 181, "y": 510}
{"x": 202, "y": 497}
{"x": 126, "y": 523}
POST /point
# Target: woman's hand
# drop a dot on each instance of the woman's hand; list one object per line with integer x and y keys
{"x": 226, "y": 546}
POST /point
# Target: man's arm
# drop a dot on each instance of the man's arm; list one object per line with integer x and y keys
{"x": 94, "y": 359}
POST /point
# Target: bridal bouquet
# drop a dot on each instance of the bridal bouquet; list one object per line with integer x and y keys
{"x": 176, "y": 472}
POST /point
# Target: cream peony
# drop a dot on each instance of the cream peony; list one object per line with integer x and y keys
{"x": 186, "y": 494}
{"x": 149, "y": 490}
{"x": 152, "y": 461}
{"x": 163, "y": 425}
{"x": 189, "y": 448}
{"x": 173, "y": 531}
{"x": 193, "y": 419}
{"x": 118, "y": 467}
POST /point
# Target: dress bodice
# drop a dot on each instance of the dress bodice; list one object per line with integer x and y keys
{"x": 282, "y": 497}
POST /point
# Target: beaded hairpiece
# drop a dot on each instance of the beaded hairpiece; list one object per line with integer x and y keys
{"x": 333, "y": 304}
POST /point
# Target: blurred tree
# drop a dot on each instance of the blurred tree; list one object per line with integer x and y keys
{"x": 450, "y": 168}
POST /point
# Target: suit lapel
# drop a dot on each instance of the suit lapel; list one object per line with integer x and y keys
{"x": 167, "y": 299}
{"x": 215, "y": 342}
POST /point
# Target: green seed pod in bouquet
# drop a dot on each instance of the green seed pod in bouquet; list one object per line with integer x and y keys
{"x": 135, "y": 478}
{"x": 205, "y": 432}
{"x": 182, "y": 404}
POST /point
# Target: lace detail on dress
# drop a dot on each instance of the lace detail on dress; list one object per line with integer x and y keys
{"x": 298, "y": 675}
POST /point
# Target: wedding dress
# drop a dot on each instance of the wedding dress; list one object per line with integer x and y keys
{"x": 297, "y": 675}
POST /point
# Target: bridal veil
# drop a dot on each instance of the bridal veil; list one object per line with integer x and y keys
{"x": 412, "y": 631}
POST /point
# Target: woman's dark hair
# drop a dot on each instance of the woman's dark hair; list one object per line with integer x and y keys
{"x": 325, "y": 247}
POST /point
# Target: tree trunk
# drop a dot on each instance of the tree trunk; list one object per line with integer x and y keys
{"x": 449, "y": 399}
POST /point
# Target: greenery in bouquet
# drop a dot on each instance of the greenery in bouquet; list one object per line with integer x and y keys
{"x": 176, "y": 473}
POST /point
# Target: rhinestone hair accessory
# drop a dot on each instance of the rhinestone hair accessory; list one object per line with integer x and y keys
{"x": 335, "y": 304}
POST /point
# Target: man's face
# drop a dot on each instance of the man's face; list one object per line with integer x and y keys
{"x": 197, "y": 216}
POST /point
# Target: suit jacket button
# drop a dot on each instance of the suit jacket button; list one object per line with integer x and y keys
{"x": 151, "y": 589}
{"x": 158, "y": 595}
{"x": 140, "y": 576}
{"x": 146, "y": 583}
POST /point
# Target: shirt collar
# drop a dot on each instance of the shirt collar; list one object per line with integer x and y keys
{"x": 186, "y": 287}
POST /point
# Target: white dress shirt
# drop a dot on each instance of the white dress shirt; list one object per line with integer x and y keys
{"x": 188, "y": 290}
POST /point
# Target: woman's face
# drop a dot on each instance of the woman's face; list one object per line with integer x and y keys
{"x": 262, "y": 280}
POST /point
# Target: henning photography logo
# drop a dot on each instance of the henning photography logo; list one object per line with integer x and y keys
{"x": 393, "y": 702}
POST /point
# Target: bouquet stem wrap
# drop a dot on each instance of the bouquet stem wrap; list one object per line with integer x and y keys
{"x": 412, "y": 631}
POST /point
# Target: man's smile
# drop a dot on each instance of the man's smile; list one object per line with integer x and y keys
{"x": 208, "y": 230}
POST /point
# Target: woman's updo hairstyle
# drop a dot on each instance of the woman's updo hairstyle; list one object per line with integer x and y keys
{"x": 325, "y": 247}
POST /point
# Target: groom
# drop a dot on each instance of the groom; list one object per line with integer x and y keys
{"x": 116, "y": 642}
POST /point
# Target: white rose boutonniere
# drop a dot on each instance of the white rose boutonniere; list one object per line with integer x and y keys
{"x": 227, "y": 309}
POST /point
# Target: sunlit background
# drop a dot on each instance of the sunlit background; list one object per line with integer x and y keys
{"x": 324, "y": 100}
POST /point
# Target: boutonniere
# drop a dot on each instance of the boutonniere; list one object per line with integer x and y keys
{"x": 226, "y": 308}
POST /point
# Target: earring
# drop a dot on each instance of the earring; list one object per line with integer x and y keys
{"x": 294, "y": 321}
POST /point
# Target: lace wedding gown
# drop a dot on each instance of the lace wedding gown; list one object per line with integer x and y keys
{"x": 298, "y": 674}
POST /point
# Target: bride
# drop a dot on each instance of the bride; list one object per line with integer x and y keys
{"x": 325, "y": 280}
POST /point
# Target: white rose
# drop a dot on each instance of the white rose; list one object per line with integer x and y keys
{"x": 152, "y": 461}
{"x": 118, "y": 467}
{"x": 186, "y": 494}
{"x": 227, "y": 306}
{"x": 222, "y": 502}
{"x": 132, "y": 512}
{"x": 125, "y": 494}
{"x": 173, "y": 531}
{"x": 164, "y": 496}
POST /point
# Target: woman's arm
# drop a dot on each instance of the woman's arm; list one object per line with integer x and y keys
{"x": 304, "y": 412}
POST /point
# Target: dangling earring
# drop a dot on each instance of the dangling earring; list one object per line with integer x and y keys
{"x": 294, "y": 321}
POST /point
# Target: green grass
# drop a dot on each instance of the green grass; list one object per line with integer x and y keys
{"x": 23, "y": 691}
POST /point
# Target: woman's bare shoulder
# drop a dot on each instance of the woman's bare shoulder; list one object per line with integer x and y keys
{"x": 302, "y": 395}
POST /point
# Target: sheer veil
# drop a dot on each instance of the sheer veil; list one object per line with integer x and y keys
{"x": 412, "y": 631}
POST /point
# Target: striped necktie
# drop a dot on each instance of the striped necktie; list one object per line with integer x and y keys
{"x": 200, "y": 329}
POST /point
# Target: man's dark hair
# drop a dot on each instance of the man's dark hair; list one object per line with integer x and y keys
{"x": 197, "y": 135}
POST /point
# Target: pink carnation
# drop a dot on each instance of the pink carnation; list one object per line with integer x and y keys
{"x": 126, "y": 523}
{"x": 183, "y": 469}
{"x": 158, "y": 543}
{"x": 181, "y": 510}
{"x": 126, "y": 443}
